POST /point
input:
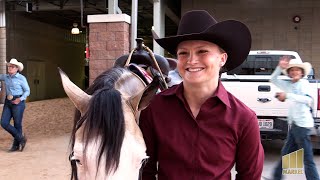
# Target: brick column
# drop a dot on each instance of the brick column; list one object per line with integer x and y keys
{"x": 109, "y": 38}
{"x": 3, "y": 50}
{"x": 3, "y": 64}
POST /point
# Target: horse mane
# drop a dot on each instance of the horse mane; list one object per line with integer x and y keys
{"x": 104, "y": 119}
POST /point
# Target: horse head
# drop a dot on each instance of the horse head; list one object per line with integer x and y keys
{"x": 106, "y": 141}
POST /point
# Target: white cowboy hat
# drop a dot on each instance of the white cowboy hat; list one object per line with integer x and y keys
{"x": 297, "y": 63}
{"x": 17, "y": 63}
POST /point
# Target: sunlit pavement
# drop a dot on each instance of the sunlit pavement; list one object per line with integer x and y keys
{"x": 272, "y": 156}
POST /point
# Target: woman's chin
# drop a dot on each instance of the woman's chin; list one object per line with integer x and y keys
{"x": 193, "y": 81}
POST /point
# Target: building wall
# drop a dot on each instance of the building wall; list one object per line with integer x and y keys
{"x": 33, "y": 42}
{"x": 270, "y": 23}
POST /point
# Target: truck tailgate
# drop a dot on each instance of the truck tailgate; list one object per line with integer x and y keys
{"x": 260, "y": 97}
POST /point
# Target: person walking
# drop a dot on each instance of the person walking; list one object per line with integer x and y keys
{"x": 300, "y": 119}
{"x": 17, "y": 90}
{"x": 197, "y": 129}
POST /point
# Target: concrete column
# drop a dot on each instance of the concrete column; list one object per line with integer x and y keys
{"x": 134, "y": 23}
{"x": 109, "y": 38}
{"x": 112, "y": 6}
{"x": 158, "y": 24}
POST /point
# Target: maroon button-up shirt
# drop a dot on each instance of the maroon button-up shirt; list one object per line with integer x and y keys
{"x": 205, "y": 147}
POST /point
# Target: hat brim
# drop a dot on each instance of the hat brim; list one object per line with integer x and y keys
{"x": 232, "y": 36}
{"x": 305, "y": 66}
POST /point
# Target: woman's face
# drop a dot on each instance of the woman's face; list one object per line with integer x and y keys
{"x": 295, "y": 73}
{"x": 12, "y": 69}
{"x": 199, "y": 61}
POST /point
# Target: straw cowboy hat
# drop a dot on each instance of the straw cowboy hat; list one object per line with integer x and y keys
{"x": 306, "y": 67}
{"x": 17, "y": 63}
{"x": 232, "y": 36}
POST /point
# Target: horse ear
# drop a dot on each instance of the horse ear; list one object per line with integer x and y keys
{"x": 79, "y": 98}
{"x": 142, "y": 99}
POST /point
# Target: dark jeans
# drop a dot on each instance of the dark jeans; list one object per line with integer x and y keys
{"x": 297, "y": 138}
{"x": 14, "y": 111}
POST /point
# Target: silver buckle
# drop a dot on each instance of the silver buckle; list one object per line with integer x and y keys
{"x": 10, "y": 97}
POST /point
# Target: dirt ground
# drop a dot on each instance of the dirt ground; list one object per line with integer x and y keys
{"x": 47, "y": 125}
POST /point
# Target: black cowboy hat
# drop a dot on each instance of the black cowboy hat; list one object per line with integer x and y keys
{"x": 232, "y": 36}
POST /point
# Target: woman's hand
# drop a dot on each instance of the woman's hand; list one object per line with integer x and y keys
{"x": 16, "y": 101}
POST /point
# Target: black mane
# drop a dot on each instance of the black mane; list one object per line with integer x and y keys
{"x": 104, "y": 118}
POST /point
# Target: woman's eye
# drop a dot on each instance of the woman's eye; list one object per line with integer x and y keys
{"x": 182, "y": 53}
{"x": 202, "y": 51}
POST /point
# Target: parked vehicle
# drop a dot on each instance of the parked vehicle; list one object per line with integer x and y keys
{"x": 250, "y": 83}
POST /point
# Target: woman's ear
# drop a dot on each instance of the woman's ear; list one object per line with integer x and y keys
{"x": 223, "y": 60}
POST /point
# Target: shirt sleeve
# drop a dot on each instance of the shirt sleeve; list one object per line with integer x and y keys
{"x": 304, "y": 97}
{"x": 2, "y": 77}
{"x": 278, "y": 82}
{"x": 250, "y": 153}
{"x": 149, "y": 171}
{"x": 26, "y": 89}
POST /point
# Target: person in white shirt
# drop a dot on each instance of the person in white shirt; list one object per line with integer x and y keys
{"x": 300, "y": 120}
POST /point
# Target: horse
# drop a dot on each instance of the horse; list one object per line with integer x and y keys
{"x": 106, "y": 140}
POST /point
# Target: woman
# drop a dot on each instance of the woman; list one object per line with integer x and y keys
{"x": 197, "y": 129}
{"x": 17, "y": 90}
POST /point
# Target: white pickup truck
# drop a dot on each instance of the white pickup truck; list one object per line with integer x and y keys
{"x": 250, "y": 83}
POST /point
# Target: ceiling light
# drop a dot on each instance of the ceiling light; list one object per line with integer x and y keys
{"x": 75, "y": 29}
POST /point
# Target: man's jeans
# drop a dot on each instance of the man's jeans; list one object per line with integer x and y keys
{"x": 14, "y": 111}
{"x": 297, "y": 138}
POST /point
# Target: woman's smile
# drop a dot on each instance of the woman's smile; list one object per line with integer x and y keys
{"x": 194, "y": 69}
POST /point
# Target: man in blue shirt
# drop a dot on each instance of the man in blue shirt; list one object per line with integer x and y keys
{"x": 297, "y": 90}
{"x": 17, "y": 90}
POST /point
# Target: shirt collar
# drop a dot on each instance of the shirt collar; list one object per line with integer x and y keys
{"x": 15, "y": 75}
{"x": 177, "y": 90}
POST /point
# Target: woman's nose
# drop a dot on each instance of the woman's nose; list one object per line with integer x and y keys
{"x": 192, "y": 58}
